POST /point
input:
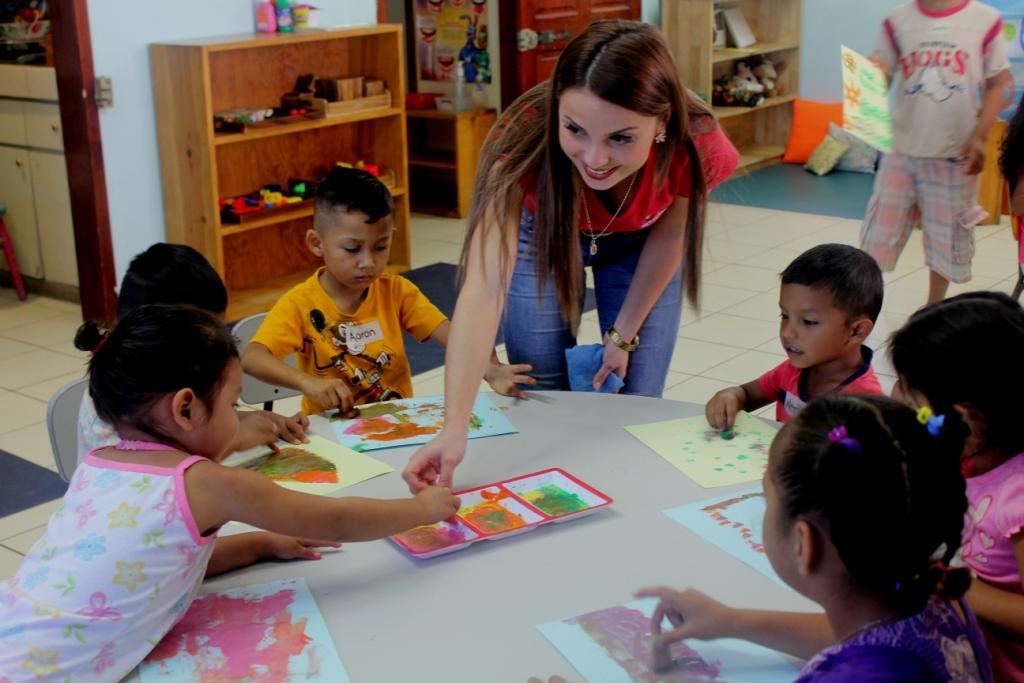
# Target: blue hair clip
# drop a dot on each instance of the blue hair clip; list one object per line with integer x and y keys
{"x": 933, "y": 423}
{"x": 839, "y": 435}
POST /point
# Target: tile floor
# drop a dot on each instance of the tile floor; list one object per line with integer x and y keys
{"x": 733, "y": 339}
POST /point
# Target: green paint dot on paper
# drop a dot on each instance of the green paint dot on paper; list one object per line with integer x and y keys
{"x": 691, "y": 460}
{"x": 741, "y": 456}
{"x": 718, "y": 469}
{"x": 729, "y": 464}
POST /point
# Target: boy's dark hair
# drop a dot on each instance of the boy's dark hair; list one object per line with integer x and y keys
{"x": 897, "y": 545}
{"x": 353, "y": 189}
{"x": 153, "y": 351}
{"x": 967, "y": 351}
{"x": 849, "y": 275}
{"x": 163, "y": 274}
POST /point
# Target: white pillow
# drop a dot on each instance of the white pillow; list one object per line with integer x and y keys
{"x": 860, "y": 158}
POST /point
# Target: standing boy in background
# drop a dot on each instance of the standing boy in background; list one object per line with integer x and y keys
{"x": 937, "y": 55}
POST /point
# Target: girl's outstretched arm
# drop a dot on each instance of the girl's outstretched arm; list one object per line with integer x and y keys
{"x": 218, "y": 494}
{"x": 695, "y": 615}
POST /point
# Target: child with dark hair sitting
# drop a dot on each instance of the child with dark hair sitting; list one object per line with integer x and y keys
{"x": 345, "y": 323}
{"x": 893, "y": 608}
{"x": 830, "y": 298}
{"x": 176, "y": 274}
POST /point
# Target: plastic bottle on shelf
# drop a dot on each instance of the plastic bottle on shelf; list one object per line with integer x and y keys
{"x": 266, "y": 17}
{"x": 461, "y": 100}
{"x": 284, "y": 16}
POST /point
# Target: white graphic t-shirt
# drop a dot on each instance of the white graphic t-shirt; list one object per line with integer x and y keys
{"x": 940, "y": 61}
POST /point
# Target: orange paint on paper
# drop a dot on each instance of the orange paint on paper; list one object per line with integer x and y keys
{"x": 380, "y": 429}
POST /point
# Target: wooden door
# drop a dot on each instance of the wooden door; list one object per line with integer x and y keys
{"x": 534, "y": 33}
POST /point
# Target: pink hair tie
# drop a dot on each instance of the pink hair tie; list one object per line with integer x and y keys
{"x": 839, "y": 435}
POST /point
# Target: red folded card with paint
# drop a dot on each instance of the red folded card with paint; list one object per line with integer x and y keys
{"x": 504, "y": 509}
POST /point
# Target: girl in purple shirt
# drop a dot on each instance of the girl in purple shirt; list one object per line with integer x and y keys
{"x": 865, "y": 508}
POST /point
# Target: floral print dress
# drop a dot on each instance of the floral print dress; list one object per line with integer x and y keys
{"x": 118, "y": 565}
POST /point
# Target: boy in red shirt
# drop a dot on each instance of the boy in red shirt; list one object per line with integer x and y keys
{"x": 830, "y": 298}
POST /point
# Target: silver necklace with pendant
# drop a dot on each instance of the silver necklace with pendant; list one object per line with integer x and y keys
{"x": 590, "y": 227}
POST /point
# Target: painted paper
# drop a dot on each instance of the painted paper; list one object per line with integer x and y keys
{"x": 264, "y": 633}
{"x": 700, "y": 452}
{"x": 414, "y": 421}
{"x": 319, "y": 467}
{"x": 866, "y": 101}
{"x": 449, "y": 32}
{"x": 613, "y": 645}
{"x": 735, "y": 523}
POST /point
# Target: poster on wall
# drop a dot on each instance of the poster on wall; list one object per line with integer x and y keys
{"x": 449, "y": 32}
{"x": 1013, "y": 34}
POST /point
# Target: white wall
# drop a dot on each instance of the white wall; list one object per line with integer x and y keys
{"x": 121, "y": 34}
{"x": 827, "y": 24}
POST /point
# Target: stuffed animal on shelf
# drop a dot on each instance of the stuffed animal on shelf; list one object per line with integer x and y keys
{"x": 768, "y": 75}
{"x": 739, "y": 90}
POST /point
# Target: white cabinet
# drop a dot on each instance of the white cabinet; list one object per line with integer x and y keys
{"x": 12, "y": 122}
{"x": 16, "y": 194}
{"x": 33, "y": 175}
{"x": 53, "y": 216}
{"x": 42, "y": 126}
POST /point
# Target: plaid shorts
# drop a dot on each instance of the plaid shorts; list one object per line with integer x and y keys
{"x": 938, "y": 193}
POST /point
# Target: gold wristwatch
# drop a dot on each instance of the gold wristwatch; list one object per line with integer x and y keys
{"x": 628, "y": 347}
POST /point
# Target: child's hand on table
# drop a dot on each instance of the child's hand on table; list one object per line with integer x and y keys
{"x": 691, "y": 613}
{"x": 329, "y": 392}
{"x": 722, "y": 408}
{"x": 255, "y": 429}
{"x": 292, "y": 429}
{"x": 438, "y": 504}
{"x": 503, "y": 378}
{"x": 281, "y": 547}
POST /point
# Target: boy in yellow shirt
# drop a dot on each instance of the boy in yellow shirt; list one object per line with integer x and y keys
{"x": 345, "y": 323}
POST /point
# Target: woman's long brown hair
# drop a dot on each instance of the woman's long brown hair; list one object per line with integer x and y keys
{"x": 626, "y": 63}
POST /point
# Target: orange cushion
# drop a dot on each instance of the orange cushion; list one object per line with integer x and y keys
{"x": 810, "y": 126}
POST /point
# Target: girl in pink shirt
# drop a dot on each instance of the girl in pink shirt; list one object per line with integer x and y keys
{"x": 963, "y": 354}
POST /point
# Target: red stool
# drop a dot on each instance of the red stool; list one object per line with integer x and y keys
{"x": 12, "y": 260}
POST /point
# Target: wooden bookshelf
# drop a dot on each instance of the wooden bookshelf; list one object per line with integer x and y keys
{"x": 444, "y": 148}
{"x": 192, "y": 79}
{"x": 760, "y": 133}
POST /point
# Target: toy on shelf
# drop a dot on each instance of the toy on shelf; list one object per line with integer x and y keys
{"x": 296, "y": 193}
{"x": 743, "y": 88}
{"x": 269, "y": 198}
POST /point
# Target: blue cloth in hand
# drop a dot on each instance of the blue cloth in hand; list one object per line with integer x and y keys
{"x": 584, "y": 362}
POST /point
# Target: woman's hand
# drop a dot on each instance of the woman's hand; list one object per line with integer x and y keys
{"x": 691, "y": 613}
{"x": 615, "y": 360}
{"x": 434, "y": 463}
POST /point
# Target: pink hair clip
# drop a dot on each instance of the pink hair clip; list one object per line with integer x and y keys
{"x": 839, "y": 435}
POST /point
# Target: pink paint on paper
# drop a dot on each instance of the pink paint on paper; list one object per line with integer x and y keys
{"x": 255, "y": 638}
{"x": 624, "y": 634}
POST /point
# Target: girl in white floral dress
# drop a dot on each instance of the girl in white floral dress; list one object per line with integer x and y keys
{"x": 124, "y": 555}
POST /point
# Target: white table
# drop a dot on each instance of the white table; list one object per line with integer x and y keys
{"x": 470, "y": 615}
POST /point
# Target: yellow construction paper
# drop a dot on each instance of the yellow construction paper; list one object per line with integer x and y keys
{"x": 700, "y": 452}
{"x": 319, "y": 467}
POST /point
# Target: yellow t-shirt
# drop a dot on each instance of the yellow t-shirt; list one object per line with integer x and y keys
{"x": 365, "y": 349}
